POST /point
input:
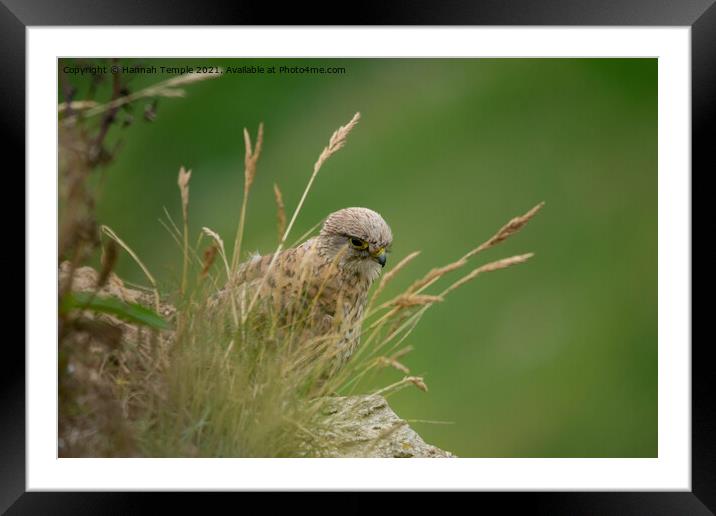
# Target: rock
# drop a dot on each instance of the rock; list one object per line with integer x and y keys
{"x": 366, "y": 426}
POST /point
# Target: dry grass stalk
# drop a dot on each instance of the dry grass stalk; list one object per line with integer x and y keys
{"x": 489, "y": 267}
{"x": 76, "y": 105}
{"x": 392, "y": 362}
{"x": 251, "y": 158}
{"x": 430, "y": 421}
{"x": 209, "y": 256}
{"x": 435, "y": 274}
{"x": 183, "y": 182}
{"x": 408, "y": 299}
{"x": 171, "y": 228}
{"x": 176, "y": 234}
{"x": 509, "y": 229}
{"x": 352, "y": 379}
{"x": 326, "y": 274}
{"x": 183, "y": 80}
{"x": 168, "y": 88}
{"x": 385, "y": 434}
{"x": 418, "y": 286}
{"x": 388, "y": 277}
{"x": 308, "y": 233}
{"x": 222, "y": 252}
{"x": 252, "y": 155}
{"x": 109, "y": 260}
{"x": 336, "y": 142}
{"x": 407, "y": 326}
{"x": 402, "y": 325}
{"x": 402, "y": 352}
{"x": 417, "y": 381}
{"x": 399, "y": 324}
{"x": 506, "y": 231}
{"x": 111, "y": 234}
{"x": 280, "y": 211}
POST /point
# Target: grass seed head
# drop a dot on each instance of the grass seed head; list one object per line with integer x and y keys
{"x": 183, "y": 182}
{"x": 506, "y": 231}
{"x": 280, "y": 211}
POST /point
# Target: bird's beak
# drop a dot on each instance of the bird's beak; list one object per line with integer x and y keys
{"x": 380, "y": 256}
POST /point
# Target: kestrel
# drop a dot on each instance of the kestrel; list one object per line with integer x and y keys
{"x": 326, "y": 278}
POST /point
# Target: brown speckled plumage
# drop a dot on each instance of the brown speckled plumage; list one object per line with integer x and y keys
{"x": 327, "y": 276}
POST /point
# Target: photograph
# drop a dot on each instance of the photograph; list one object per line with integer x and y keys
{"x": 357, "y": 257}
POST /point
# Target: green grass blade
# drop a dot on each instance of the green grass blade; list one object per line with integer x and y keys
{"x": 131, "y": 312}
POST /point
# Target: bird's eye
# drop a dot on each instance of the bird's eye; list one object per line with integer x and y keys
{"x": 358, "y": 243}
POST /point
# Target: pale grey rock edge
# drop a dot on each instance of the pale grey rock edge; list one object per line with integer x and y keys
{"x": 351, "y": 426}
{"x": 366, "y": 426}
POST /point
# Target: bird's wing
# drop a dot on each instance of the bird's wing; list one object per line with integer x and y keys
{"x": 289, "y": 263}
{"x": 292, "y": 268}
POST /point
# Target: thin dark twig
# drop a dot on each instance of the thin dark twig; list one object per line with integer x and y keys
{"x": 68, "y": 92}
{"x": 108, "y": 117}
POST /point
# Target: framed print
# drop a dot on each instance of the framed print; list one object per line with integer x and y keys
{"x": 460, "y": 249}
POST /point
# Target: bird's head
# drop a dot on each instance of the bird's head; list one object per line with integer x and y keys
{"x": 362, "y": 238}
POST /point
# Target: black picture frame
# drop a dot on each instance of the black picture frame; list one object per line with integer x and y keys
{"x": 700, "y": 15}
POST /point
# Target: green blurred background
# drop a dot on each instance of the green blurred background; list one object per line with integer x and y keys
{"x": 554, "y": 358}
